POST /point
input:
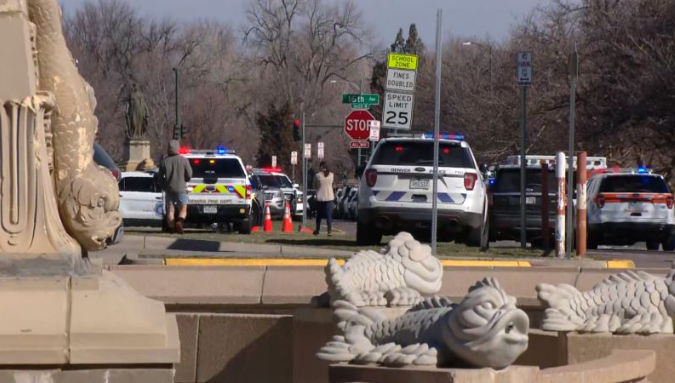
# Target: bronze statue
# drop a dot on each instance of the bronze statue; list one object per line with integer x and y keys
{"x": 137, "y": 114}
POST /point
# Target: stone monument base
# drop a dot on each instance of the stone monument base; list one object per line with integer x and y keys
{"x": 89, "y": 320}
{"x": 137, "y": 156}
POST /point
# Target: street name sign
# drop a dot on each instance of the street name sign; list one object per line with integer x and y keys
{"x": 356, "y": 125}
{"x": 361, "y": 98}
{"x": 402, "y": 61}
{"x": 308, "y": 150}
{"x": 401, "y": 80}
{"x": 359, "y": 145}
{"x": 294, "y": 158}
{"x": 374, "y": 130}
{"x": 524, "y": 71}
{"x": 398, "y": 108}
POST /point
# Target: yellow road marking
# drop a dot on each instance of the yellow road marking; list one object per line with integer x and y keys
{"x": 620, "y": 264}
{"x": 483, "y": 263}
{"x": 320, "y": 262}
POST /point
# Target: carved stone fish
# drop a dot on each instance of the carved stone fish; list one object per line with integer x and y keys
{"x": 485, "y": 330}
{"x": 399, "y": 277}
{"x": 628, "y": 302}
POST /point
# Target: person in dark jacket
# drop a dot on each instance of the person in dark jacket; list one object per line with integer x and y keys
{"x": 174, "y": 173}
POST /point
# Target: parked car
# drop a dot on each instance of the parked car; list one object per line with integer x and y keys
{"x": 353, "y": 207}
{"x": 140, "y": 199}
{"x": 268, "y": 191}
{"x": 339, "y": 193}
{"x": 341, "y": 201}
{"x": 291, "y": 191}
{"x": 312, "y": 203}
{"x": 396, "y": 191}
{"x": 101, "y": 158}
{"x": 346, "y": 201}
{"x": 629, "y": 206}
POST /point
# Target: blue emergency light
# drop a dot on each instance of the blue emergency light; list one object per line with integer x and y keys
{"x": 445, "y": 136}
{"x": 642, "y": 169}
{"x": 222, "y": 150}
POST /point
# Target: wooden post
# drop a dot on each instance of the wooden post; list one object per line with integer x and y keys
{"x": 581, "y": 204}
{"x": 544, "y": 207}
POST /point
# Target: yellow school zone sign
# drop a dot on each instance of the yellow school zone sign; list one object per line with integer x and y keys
{"x": 402, "y": 61}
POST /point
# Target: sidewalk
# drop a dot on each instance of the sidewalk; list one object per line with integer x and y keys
{"x": 179, "y": 251}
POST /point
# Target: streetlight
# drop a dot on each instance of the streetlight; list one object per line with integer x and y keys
{"x": 489, "y": 47}
{"x": 357, "y": 87}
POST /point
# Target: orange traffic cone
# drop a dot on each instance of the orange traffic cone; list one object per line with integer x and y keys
{"x": 288, "y": 224}
{"x": 255, "y": 229}
{"x": 304, "y": 230}
{"x": 267, "y": 226}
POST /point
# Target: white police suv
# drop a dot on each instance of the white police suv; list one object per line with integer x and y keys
{"x": 626, "y": 206}
{"x": 395, "y": 192}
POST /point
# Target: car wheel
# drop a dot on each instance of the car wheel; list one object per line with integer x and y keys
{"x": 669, "y": 243}
{"x": 653, "y": 245}
{"x": 479, "y": 237}
{"x": 245, "y": 226}
{"x": 367, "y": 235}
{"x": 591, "y": 241}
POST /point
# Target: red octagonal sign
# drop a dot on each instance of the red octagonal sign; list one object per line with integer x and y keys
{"x": 356, "y": 125}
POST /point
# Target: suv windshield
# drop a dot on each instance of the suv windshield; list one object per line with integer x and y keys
{"x": 216, "y": 168}
{"x": 284, "y": 182}
{"x": 268, "y": 180}
{"x": 508, "y": 181}
{"x": 138, "y": 184}
{"x": 421, "y": 153}
{"x": 634, "y": 184}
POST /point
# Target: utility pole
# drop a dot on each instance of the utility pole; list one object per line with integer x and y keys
{"x": 437, "y": 114}
{"x": 574, "y": 67}
{"x": 358, "y": 160}
{"x": 304, "y": 177}
{"x": 523, "y": 166}
{"x": 178, "y": 130}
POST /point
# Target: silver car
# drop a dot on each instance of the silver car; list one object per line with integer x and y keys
{"x": 268, "y": 192}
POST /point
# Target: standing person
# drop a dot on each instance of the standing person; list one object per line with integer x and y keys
{"x": 174, "y": 173}
{"x": 323, "y": 183}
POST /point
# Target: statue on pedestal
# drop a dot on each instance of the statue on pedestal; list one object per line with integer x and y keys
{"x": 137, "y": 147}
{"x": 136, "y": 114}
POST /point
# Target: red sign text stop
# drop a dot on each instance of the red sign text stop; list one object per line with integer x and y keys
{"x": 356, "y": 124}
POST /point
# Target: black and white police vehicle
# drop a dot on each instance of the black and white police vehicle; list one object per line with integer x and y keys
{"x": 395, "y": 192}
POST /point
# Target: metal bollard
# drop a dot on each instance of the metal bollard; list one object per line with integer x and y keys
{"x": 581, "y": 204}
{"x": 544, "y": 207}
{"x": 560, "y": 216}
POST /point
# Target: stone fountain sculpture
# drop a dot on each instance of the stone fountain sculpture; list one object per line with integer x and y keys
{"x": 58, "y": 307}
{"x": 625, "y": 303}
{"x": 486, "y": 329}
{"x": 401, "y": 276}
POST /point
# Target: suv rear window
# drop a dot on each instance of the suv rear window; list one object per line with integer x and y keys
{"x": 216, "y": 168}
{"x": 508, "y": 181}
{"x": 633, "y": 184}
{"x": 421, "y": 153}
{"x": 138, "y": 184}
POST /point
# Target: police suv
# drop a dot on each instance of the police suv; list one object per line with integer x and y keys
{"x": 395, "y": 192}
{"x": 219, "y": 191}
{"x": 626, "y": 206}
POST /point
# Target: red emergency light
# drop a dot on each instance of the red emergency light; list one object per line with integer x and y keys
{"x": 272, "y": 170}
{"x": 184, "y": 150}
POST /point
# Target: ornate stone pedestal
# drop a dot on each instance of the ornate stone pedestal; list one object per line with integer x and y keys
{"x": 56, "y": 307}
{"x": 137, "y": 156}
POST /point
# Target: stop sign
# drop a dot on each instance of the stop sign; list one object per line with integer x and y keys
{"x": 356, "y": 124}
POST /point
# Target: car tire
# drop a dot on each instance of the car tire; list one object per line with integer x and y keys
{"x": 669, "y": 243}
{"x": 653, "y": 245}
{"x": 479, "y": 237}
{"x": 591, "y": 241}
{"x": 245, "y": 226}
{"x": 367, "y": 235}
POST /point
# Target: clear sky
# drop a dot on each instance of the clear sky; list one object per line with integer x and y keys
{"x": 477, "y": 18}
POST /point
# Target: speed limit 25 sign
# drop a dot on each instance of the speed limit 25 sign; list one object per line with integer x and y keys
{"x": 398, "y": 108}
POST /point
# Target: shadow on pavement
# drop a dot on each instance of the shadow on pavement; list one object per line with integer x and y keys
{"x": 194, "y": 245}
{"x": 313, "y": 242}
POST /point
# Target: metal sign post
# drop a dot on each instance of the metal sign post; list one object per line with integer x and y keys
{"x": 304, "y": 177}
{"x": 524, "y": 78}
{"x": 574, "y": 66}
{"x": 437, "y": 113}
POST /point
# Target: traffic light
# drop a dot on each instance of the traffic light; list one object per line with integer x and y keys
{"x": 183, "y": 132}
{"x": 296, "y": 131}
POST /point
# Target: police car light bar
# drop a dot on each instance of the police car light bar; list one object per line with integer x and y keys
{"x": 219, "y": 151}
{"x": 445, "y": 136}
